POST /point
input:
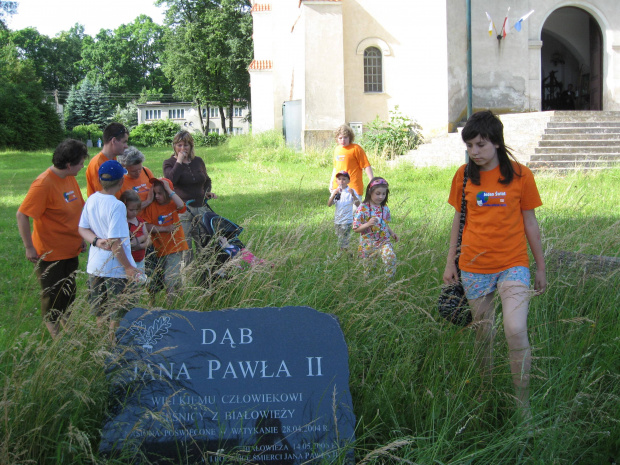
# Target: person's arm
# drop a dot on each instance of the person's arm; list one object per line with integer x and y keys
{"x": 172, "y": 169}
{"x": 330, "y": 202}
{"x": 149, "y": 199}
{"x": 369, "y": 224}
{"x": 392, "y": 234}
{"x": 173, "y": 196}
{"x": 89, "y": 236}
{"x": 23, "y": 225}
{"x": 450, "y": 274}
{"x": 119, "y": 253}
{"x": 532, "y": 232}
{"x": 331, "y": 179}
{"x": 369, "y": 172}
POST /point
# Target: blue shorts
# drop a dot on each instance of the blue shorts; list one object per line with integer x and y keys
{"x": 480, "y": 284}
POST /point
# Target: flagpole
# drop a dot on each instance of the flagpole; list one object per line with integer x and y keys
{"x": 469, "y": 69}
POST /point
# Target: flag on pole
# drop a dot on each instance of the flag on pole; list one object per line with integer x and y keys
{"x": 519, "y": 22}
{"x": 504, "y": 30}
{"x": 491, "y": 25}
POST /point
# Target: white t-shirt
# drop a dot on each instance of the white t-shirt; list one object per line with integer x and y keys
{"x": 345, "y": 206}
{"x": 107, "y": 218}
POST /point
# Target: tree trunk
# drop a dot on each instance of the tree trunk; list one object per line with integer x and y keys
{"x": 230, "y": 118}
{"x": 222, "y": 118}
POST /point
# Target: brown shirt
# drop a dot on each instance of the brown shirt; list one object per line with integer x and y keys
{"x": 190, "y": 181}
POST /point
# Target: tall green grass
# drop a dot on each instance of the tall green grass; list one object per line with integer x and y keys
{"x": 416, "y": 390}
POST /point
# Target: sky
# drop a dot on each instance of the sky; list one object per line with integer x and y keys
{"x": 50, "y": 17}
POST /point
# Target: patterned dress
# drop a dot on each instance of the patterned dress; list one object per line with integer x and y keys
{"x": 375, "y": 241}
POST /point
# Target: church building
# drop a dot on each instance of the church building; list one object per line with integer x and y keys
{"x": 320, "y": 63}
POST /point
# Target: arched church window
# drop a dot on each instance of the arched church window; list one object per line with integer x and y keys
{"x": 373, "y": 70}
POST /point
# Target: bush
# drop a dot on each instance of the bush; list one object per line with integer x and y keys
{"x": 82, "y": 131}
{"x": 392, "y": 138}
{"x": 213, "y": 139}
{"x": 157, "y": 134}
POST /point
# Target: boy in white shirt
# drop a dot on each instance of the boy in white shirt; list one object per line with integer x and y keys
{"x": 110, "y": 265}
{"x": 346, "y": 200}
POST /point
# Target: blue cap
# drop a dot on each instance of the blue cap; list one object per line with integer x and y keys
{"x": 111, "y": 170}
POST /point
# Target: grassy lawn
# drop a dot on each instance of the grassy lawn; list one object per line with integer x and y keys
{"x": 416, "y": 391}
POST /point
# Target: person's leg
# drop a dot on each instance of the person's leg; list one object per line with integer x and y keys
{"x": 515, "y": 297}
{"x": 389, "y": 260}
{"x": 57, "y": 280}
{"x": 172, "y": 275}
{"x": 97, "y": 297}
{"x": 483, "y": 315}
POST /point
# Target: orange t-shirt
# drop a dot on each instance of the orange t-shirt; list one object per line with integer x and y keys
{"x": 352, "y": 159}
{"x": 55, "y": 205}
{"x": 92, "y": 175}
{"x": 494, "y": 234}
{"x": 166, "y": 243}
{"x": 141, "y": 185}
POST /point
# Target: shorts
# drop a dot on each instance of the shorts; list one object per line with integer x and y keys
{"x": 108, "y": 298}
{"x": 57, "y": 279}
{"x": 478, "y": 285}
{"x": 167, "y": 273}
{"x": 343, "y": 231}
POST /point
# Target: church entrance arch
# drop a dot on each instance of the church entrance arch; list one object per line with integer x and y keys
{"x": 572, "y": 61}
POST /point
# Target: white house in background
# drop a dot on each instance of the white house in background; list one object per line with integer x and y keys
{"x": 327, "y": 62}
{"x": 185, "y": 114}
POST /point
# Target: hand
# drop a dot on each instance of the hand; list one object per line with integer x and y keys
{"x": 540, "y": 282}
{"x": 104, "y": 244}
{"x": 373, "y": 221}
{"x": 31, "y": 254}
{"x": 133, "y": 273}
{"x": 83, "y": 248}
{"x": 450, "y": 275}
{"x": 210, "y": 195}
{"x": 395, "y": 237}
{"x": 181, "y": 157}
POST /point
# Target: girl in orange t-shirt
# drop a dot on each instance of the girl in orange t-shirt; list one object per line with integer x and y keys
{"x": 162, "y": 218}
{"x": 500, "y": 195}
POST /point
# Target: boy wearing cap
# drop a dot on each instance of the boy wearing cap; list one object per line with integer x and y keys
{"x": 164, "y": 226}
{"x": 346, "y": 199}
{"x": 104, "y": 225}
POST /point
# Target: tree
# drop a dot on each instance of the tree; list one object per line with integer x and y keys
{"x": 6, "y": 9}
{"x": 55, "y": 60}
{"x": 87, "y": 104}
{"x": 128, "y": 58}
{"x": 28, "y": 121}
{"x": 208, "y": 50}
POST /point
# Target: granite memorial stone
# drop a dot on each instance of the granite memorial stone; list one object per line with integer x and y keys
{"x": 256, "y": 385}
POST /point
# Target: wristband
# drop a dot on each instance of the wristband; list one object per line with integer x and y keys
{"x": 172, "y": 193}
{"x": 95, "y": 241}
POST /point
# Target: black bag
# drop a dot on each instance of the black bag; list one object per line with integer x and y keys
{"x": 452, "y": 303}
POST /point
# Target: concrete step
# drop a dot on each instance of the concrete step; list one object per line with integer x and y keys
{"x": 578, "y": 142}
{"x": 584, "y": 124}
{"x": 586, "y": 115}
{"x": 576, "y": 157}
{"x": 570, "y": 165}
{"x": 593, "y": 131}
{"x": 583, "y": 150}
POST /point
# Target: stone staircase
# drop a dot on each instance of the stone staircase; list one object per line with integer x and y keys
{"x": 579, "y": 140}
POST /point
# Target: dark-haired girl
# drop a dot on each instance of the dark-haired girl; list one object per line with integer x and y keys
{"x": 372, "y": 222}
{"x": 501, "y": 196}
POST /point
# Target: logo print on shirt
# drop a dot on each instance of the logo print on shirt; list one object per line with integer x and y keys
{"x": 164, "y": 219}
{"x": 491, "y": 199}
{"x": 141, "y": 188}
{"x": 69, "y": 196}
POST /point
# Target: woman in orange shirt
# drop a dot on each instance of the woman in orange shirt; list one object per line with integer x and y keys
{"x": 54, "y": 202}
{"x": 501, "y": 196}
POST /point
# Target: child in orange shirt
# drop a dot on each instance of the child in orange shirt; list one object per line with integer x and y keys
{"x": 500, "y": 195}
{"x": 162, "y": 217}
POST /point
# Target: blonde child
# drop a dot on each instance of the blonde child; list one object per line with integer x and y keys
{"x": 371, "y": 221}
{"x": 162, "y": 218}
{"x": 351, "y": 158}
{"x": 139, "y": 238}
